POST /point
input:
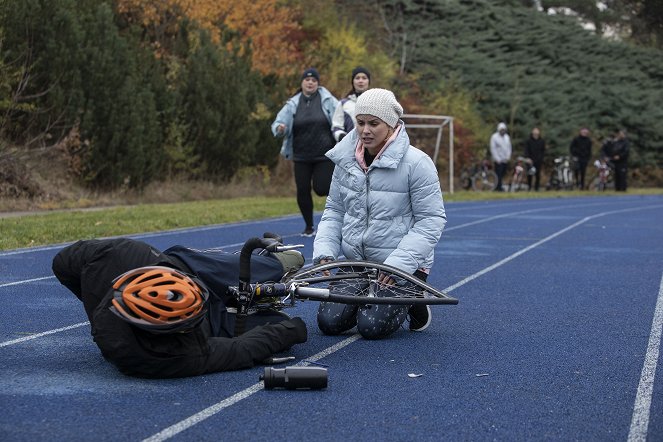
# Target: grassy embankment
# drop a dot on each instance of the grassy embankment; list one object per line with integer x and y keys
{"x": 55, "y": 227}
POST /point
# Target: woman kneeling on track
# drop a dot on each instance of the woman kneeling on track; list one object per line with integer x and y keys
{"x": 166, "y": 314}
{"x": 385, "y": 205}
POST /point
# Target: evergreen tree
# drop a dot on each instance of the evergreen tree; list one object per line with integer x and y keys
{"x": 530, "y": 69}
{"x": 219, "y": 95}
{"x": 41, "y": 44}
{"x": 119, "y": 118}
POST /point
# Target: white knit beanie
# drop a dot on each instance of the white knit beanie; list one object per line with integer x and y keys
{"x": 380, "y": 103}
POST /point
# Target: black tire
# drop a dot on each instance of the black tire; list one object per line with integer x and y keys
{"x": 355, "y": 282}
{"x": 599, "y": 186}
{"x": 484, "y": 182}
{"x": 466, "y": 180}
{"x": 517, "y": 183}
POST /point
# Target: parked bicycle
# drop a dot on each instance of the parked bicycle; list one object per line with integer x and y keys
{"x": 523, "y": 168}
{"x": 561, "y": 177}
{"x": 604, "y": 178}
{"x": 346, "y": 282}
{"x": 481, "y": 177}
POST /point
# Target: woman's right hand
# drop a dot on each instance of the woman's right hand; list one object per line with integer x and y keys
{"x": 280, "y": 128}
{"x": 325, "y": 261}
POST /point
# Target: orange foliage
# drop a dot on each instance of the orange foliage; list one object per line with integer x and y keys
{"x": 271, "y": 29}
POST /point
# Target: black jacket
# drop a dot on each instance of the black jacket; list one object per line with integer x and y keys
{"x": 535, "y": 148}
{"x": 87, "y": 268}
{"x": 581, "y": 147}
{"x": 621, "y": 148}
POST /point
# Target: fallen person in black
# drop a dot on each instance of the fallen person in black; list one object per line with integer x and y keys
{"x": 89, "y": 268}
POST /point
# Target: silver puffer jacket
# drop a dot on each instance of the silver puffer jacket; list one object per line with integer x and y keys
{"x": 392, "y": 213}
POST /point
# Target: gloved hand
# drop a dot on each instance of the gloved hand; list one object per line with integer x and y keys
{"x": 340, "y": 137}
{"x": 299, "y": 326}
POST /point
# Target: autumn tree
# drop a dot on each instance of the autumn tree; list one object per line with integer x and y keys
{"x": 269, "y": 29}
{"x": 216, "y": 94}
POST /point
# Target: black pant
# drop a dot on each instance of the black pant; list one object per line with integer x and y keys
{"x": 537, "y": 177}
{"x": 621, "y": 172}
{"x": 500, "y": 170}
{"x": 319, "y": 173}
{"x": 581, "y": 169}
{"x": 373, "y": 321}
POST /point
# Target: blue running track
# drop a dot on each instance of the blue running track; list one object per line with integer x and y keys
{"x": 557, "y": 336}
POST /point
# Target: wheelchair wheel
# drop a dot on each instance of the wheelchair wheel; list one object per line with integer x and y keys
{"x": 356, "y": 282}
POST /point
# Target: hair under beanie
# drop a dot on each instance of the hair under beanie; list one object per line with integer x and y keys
{"x": 311, "y": 72}
{"x": 380, "y": 103}
{"x": 361, "y": 70}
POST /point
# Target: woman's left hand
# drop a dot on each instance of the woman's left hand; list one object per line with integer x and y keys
{"x": 385, "y": 279}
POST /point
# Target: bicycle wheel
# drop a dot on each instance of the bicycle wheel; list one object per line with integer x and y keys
{"x": 568, "y": 179}
{"x": 484, "y": 181}
{"x": 516, "y": 183}
{"x": 356, "y": 282}
{"x": 466, "y": 180}
{"x": 597, "y": 185}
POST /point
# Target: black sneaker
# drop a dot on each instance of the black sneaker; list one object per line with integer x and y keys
{"x": 308, "y": 232}
{"x": 420, "y": 317}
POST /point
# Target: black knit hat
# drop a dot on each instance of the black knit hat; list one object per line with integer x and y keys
{"x": 360, "y": 70}
{"x": 311, "y": 72}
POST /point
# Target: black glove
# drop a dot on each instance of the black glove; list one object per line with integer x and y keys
{"x": 340, "y": 137}
{"x": 299, "y": 326}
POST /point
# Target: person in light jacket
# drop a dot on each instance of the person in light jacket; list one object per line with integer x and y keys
{"x": 305, "y": 123}
{"x": 344, "y": 116}
{"x": 385, "y": 205}
{"x": 500, "y": 150}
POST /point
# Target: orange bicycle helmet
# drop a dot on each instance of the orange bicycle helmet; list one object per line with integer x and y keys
{"x": 159, "y": 299}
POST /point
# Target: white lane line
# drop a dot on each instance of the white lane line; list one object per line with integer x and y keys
{"x": 538, "y": 243}
{"x": 219, "y": 406}
{"x": 641, "y": 409}
{"x": 25, "y": 281}
{"x": 522, "y": 212}
{"x": 39, "y": 335}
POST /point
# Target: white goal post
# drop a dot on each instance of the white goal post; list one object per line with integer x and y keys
{"x": 439, "y": 122}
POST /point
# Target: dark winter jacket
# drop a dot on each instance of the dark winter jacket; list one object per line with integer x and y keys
{"x": 535, "y": 149}
{"x": 581, "y": 147}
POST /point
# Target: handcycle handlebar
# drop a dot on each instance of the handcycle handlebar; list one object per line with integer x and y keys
{"x": 270, "y": 243}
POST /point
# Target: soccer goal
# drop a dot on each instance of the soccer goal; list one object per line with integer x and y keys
{"x": 438, "y": 123}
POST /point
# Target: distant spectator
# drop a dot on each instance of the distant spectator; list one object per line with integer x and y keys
{"x": 581, "y": 152}
{"x": 344, "y": 116}
{"x": 619, "y": 156}
{"x": 305, "y": 122}
{"x": 535, "y": 148}
{"x": 500, "y": 150}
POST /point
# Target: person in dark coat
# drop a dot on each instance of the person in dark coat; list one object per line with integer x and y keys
{"x": 192, "y": 334}
{"x": 535, "y": 149}
{"x": 581, "y": 152}
{"x": 619, "y": 156}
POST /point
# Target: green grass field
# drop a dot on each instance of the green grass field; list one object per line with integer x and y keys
{"x": 56, "y": 226}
